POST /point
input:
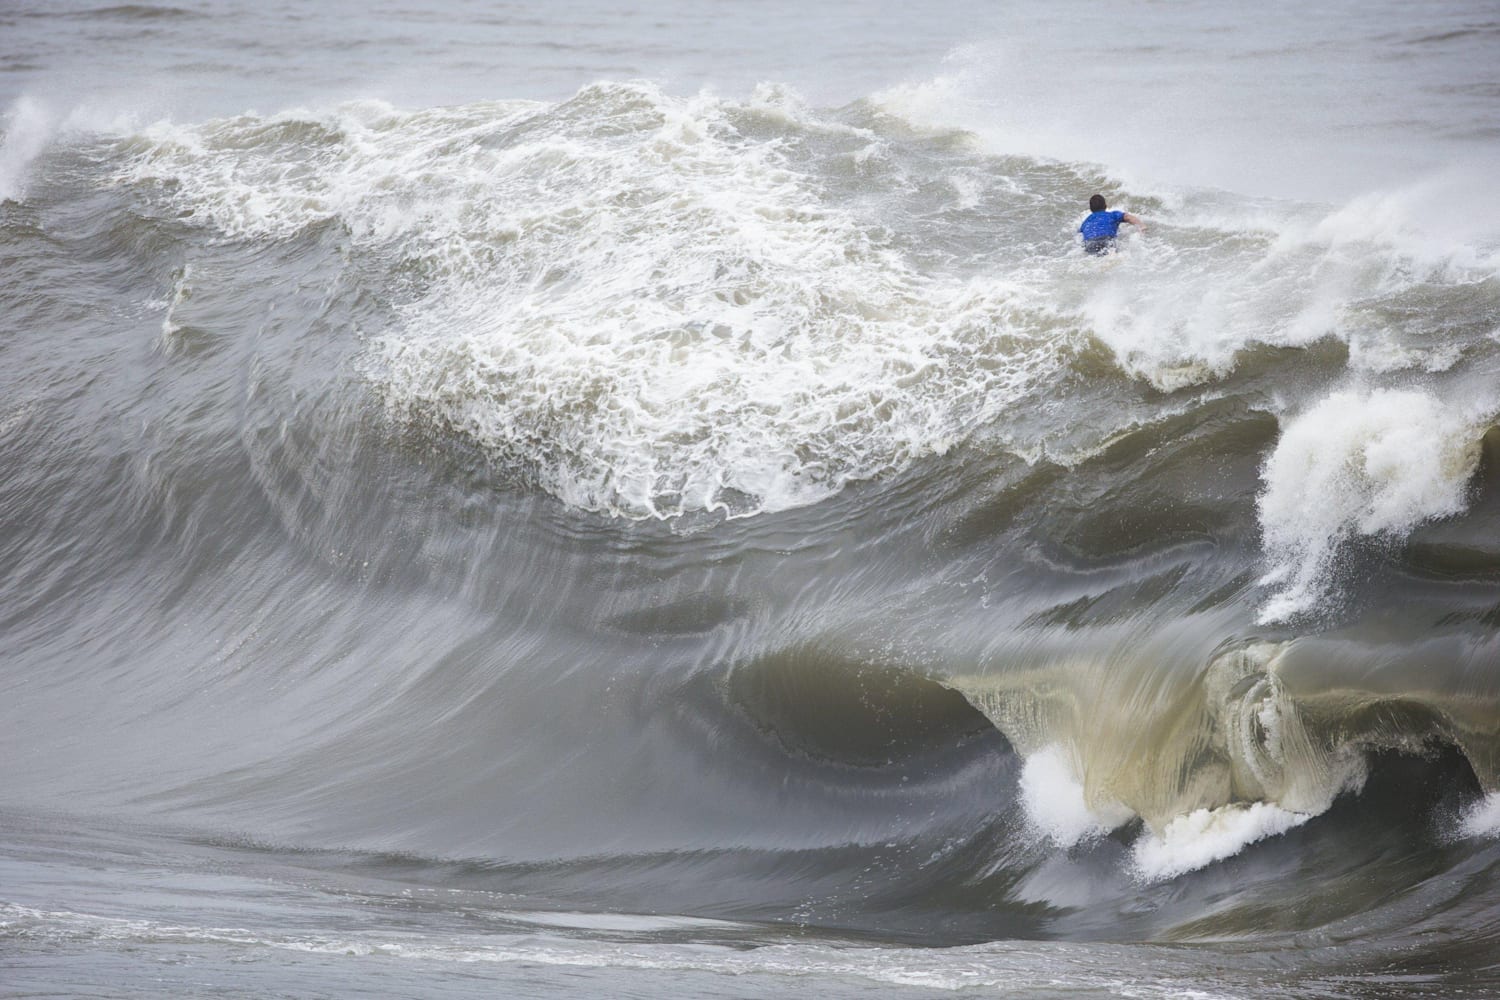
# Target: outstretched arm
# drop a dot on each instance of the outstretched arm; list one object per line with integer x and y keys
{"x": 1134, "y": 221}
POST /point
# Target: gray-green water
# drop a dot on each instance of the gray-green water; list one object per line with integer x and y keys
{"x": 567, "y": 501}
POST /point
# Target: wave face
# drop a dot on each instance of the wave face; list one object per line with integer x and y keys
{"x": 664, "y": 537}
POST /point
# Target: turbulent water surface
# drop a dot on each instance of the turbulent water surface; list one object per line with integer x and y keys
{"x": 566, "y": 500}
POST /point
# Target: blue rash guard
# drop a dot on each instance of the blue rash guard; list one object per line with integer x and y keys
{"x": 1099, "y": 230}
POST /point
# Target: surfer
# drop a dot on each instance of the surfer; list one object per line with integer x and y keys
{"x": 1100, "y": 228}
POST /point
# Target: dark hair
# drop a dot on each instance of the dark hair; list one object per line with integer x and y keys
{"x": 1096, "y": 203}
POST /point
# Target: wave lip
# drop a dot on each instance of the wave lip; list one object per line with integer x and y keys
{"x": 1269, "y": 736}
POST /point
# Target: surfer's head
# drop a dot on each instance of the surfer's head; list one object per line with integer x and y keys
{"x": 1096, "y": 203}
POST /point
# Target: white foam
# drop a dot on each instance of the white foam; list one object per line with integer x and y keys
{"x": 1483, "y": 818}
{"x": 29, "y": 126}
{"x": 1357, "y": 464}
{"x": 644, "y": 309}
{"x": 1204, "y": 836}
{"x": 1055, "y": 801}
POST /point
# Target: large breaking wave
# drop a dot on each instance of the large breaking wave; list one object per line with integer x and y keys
{"x": 682, "y": 457}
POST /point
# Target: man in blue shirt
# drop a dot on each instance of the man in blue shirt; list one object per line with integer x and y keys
{"x": 1100, "y": 228}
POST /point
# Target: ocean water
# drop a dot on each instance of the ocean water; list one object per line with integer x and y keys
{"x": 605, "y": 501}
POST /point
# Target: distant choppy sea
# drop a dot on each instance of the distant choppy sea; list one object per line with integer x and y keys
{"x": 587, "y": 500}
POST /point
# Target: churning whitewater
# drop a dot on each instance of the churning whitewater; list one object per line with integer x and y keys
{"x": 650, "y": 536}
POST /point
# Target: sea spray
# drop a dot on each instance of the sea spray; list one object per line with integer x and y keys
{"x": 1482, "y": 819}
{"x": 1357, "y": 464}
{"x": 24, "y": 132}
{"x": 1055, "y": 804}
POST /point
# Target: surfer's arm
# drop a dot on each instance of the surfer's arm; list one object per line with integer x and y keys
{"x": 1133, "y": 220}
